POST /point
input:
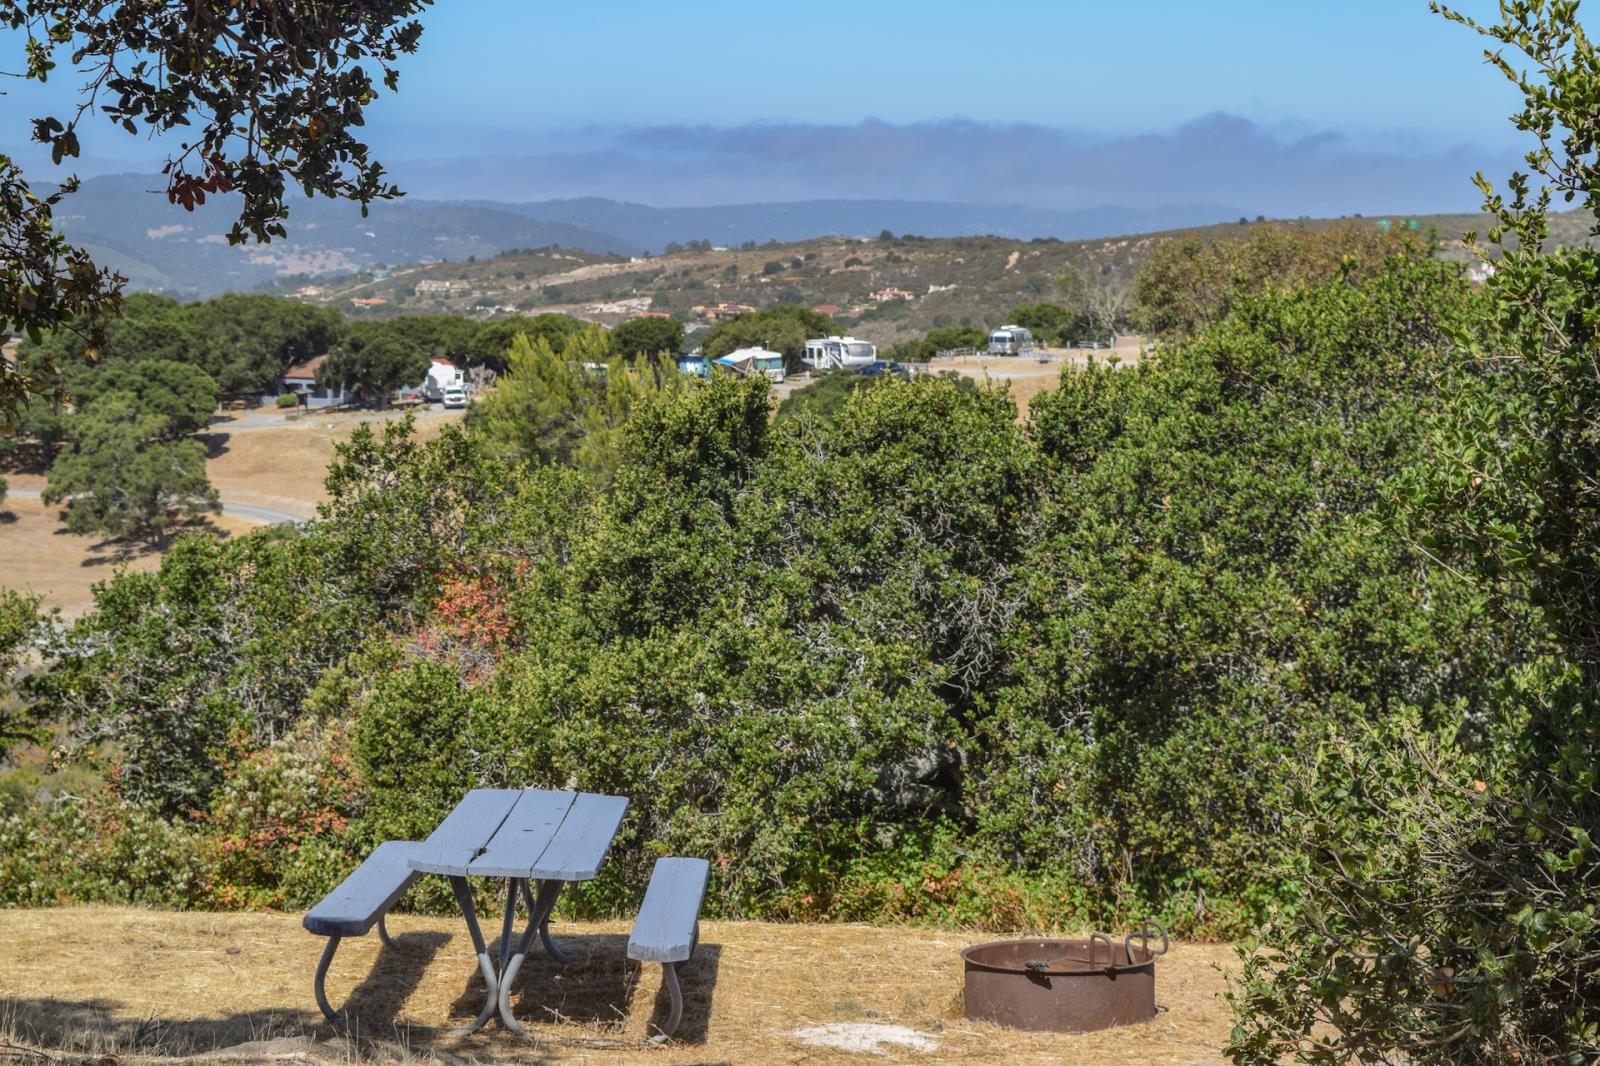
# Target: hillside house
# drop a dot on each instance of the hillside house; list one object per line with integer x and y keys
{"x": 719, "y": 312}
{"x": 884, "y": 296}
{"x": 301, "y": 381}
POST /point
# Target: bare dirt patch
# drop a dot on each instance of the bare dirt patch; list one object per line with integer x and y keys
{"x": 283, "y": 466}
{"x": 1028, "y": 376}
{"x": 279, "y": 467}
{"x": 38, "y": 555}
{"x": 108, "y": 978}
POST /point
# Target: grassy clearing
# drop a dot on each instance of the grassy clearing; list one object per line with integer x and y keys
{"x": 134, "y": 983}
{"x": 37, "y": 554}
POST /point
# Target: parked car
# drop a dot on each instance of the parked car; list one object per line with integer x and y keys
{"x": 455, "y": 397}
{"x": 879, "y": 367}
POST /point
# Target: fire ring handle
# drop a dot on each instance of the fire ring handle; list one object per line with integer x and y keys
{"x": 1111, "y": 952}
{"x": 1151, "y": 928}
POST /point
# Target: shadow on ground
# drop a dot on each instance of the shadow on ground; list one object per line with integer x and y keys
{"x": 215, "y": 441}
{"x": 594, "y": 990}
{"x": 591, "y": 994}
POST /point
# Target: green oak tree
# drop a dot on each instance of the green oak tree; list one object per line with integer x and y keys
{"x": 123, "y": 476}
{"x": 374, "y": 359}
{"x": 183, "y": 396}
{"x": 648, "y": 336}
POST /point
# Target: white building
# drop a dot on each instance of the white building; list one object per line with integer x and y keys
{"x": 839, "y": 353}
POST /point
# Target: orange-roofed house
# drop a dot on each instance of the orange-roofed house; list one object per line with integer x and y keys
{"x": 301, "y": 381}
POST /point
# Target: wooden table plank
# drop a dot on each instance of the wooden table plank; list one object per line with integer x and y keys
{"x": 581, "y": 843}
{"x": 524, "y": 835}
{"x": 465, "y": 832}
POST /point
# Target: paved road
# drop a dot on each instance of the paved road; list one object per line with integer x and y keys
{"x": 268, "y": 418}
{"x": 249, "y": 511}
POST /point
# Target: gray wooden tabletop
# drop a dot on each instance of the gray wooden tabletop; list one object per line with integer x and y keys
{"x": 523, "y": 832}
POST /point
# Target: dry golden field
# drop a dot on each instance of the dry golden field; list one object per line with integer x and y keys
{"x": 125, "y": 981}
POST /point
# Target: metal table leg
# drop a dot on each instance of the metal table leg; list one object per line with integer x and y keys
{"x": 508, "y": 921}
{"x": 554, "y": 889}
{"x": 463, "y": 894}
{"x": 538, "y": 922}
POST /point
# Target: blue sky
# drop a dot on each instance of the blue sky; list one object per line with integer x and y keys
{"x": 1301, "y": 106}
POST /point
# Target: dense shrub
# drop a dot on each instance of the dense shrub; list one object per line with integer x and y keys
{"x": 1448, "y": 909}
{"x": 913, "y": 660}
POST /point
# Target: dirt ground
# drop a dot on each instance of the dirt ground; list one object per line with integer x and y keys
{"x": 270, "y": 463}
{"x": 37, "y": 554}
{"x": 113, "y": 980}
{"x": 282, "y": 464}
{"x": 1029, "y": 376}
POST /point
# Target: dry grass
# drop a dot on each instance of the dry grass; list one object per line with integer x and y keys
{"x": 91, "y": 980}
{"x": 37, "y": 553}
{"x": 283, "y": 468}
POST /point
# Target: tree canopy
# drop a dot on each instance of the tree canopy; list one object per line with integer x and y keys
{"x": 121, "y": 474}
{"x": 266, "y": 97}
{"x": 648, "y": 336}
{"x": 375, "y": 358}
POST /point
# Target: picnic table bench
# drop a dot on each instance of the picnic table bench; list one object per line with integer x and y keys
{"x": 526, "y": 837}
{"x": 668, "y": 928}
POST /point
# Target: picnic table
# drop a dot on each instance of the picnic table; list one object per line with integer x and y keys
{"x": 526, "y": 836}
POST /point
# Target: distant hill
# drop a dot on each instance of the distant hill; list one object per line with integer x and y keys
{"x": 161, "y": 247}
{"x": 882, "y": 290}
{"x": 129, "y": 226}
{"x": 654, "y": 228}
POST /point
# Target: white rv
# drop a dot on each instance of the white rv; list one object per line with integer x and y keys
{"x": 443, "y": 376}
{"x": 839, "y": 353}
{"x": 1011, "y": 340}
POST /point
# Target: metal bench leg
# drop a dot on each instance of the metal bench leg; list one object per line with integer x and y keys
{"x": 383, "y": 934}
{"x": 463, "y": 895}
{"x": 322, "y": 974}
{"x": 669, "y": 977}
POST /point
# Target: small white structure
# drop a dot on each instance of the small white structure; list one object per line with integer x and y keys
{"x": 1011, "y": 340}
{"x": 443, "y": 375}
{"x": 839, "y": 353}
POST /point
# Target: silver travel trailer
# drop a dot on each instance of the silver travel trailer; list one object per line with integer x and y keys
{"x": 1011, "y": 340}
{"x": 839, "y": 353}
